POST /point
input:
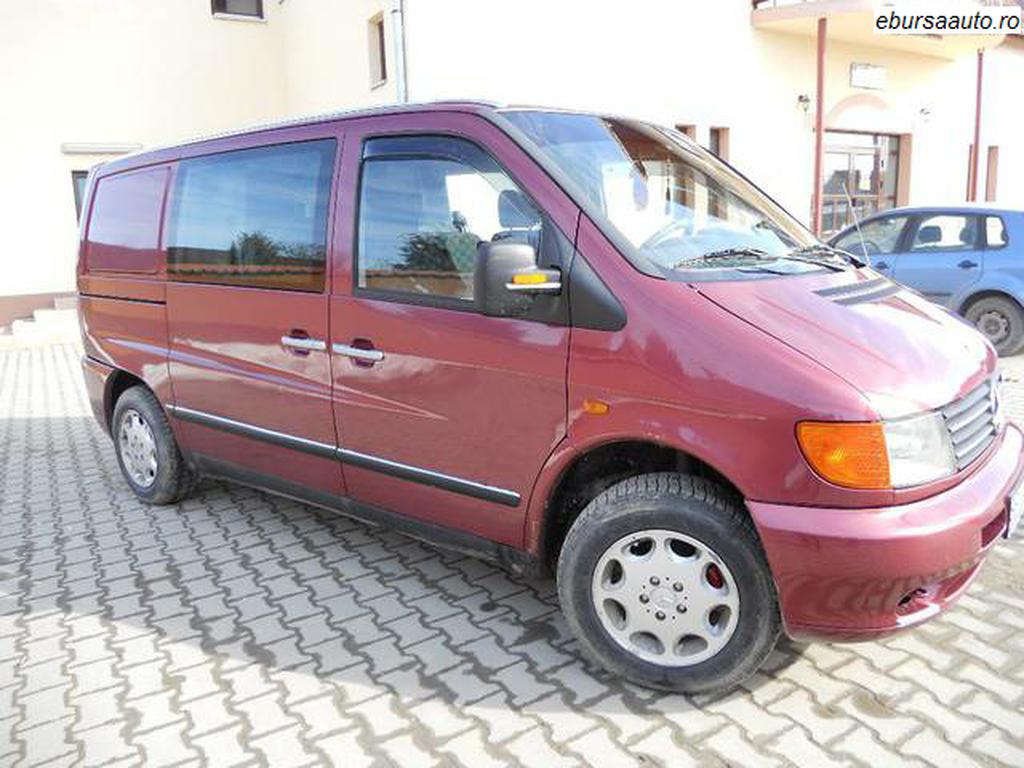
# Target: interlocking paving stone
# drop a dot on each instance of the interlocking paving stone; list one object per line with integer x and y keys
{"x": 238, "y": 628}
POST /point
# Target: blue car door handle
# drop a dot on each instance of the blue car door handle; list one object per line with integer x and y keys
{"x": 881, "y": 265}
{"x": 967, "y": 264}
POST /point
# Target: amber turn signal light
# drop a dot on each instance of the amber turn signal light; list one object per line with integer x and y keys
{"x": 529, "y": 278}
{"x": 850, "y": 454}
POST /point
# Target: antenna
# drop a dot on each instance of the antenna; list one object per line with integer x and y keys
{"x": 856, "y": 218}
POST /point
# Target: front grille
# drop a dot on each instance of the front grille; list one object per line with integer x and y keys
{"x": 971, "y": 422}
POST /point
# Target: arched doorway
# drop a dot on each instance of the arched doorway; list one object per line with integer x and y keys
{"x": 864, "y": 157}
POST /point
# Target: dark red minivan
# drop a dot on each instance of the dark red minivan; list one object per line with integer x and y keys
{"x": 566, "y": 342}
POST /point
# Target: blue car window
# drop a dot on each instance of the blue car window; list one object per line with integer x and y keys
{"x": 946, "y": 232}
{"x": 880, "y": 236}
{"x": 995, "y": 232}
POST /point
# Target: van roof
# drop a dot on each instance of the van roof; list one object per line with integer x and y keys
{"x": 171, "y": 152}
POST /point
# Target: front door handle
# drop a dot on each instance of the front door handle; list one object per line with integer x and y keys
{"x": 881, "y": 265}
{"x": 359, "y": 354}
{"x": 967, "y": 264}
{"x": 303, "y": 344}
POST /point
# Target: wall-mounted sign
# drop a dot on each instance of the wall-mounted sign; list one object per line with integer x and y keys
{"x": 869, "y": 76}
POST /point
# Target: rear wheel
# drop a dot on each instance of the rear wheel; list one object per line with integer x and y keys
{"x": 663, "y": 581}
{"x": 1001, "y": 320}
{"x": 146, "y": 449}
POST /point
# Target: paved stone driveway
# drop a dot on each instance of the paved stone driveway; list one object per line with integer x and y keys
{"x": 240, "y": 628}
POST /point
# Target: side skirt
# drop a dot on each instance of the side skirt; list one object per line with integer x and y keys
{"x": 510, "y": 558}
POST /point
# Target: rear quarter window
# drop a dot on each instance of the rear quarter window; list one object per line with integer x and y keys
{"x": 124, "y": 227}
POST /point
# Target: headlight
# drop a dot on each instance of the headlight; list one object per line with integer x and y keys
{"x": 919, "y": 450}
{"x": 879, "y": 455}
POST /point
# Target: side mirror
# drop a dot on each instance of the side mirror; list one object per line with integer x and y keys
{"x": 507, "y": 279}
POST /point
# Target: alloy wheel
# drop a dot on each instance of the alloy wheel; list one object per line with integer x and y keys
{"x": 665, "y": 597}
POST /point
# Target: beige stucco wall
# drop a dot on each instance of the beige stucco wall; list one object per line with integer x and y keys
{"x": 138, "y": 71}
{"x": 705, "y": 64}
{"x": 326, "y": 60}
{"x": 152, "y": 72}
{"x": 1004, "y": 121}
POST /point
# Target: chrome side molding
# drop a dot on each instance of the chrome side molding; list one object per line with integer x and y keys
{"x": 250, "y": 430}
{"x": 347, "y": 456}
{"x": 429, "y": 477}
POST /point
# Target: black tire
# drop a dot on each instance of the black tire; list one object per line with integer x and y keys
{"x": 1001, "y": 321}
{"x": 700, "y": 510}
{"x": 173, "y": 479}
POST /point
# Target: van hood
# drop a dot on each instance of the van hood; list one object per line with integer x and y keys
{"x": 905, "y": 354}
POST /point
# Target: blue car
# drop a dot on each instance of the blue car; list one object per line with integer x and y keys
{"x": 969, "y": 259}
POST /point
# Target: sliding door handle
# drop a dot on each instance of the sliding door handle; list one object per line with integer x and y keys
{"x": 358, "y": 354}
{"x": 304, "y": 344}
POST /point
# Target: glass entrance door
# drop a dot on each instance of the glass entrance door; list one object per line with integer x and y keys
{"x": 866, "y": 165}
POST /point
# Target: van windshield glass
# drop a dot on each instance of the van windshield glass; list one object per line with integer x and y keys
{"x": 674, "y": 203}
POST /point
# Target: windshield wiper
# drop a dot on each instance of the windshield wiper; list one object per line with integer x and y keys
{"x": 820, "y": 249}
{"x": 727, "y": 253}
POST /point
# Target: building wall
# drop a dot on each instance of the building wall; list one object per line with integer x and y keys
{"x": 326, "y": 55}
{"x": 1004, "y": 121}
{"x": 705, "y": 64}
{"x": 144, "y": 72}
{"x": 150, "y": 72}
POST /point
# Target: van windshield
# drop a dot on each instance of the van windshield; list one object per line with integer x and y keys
{"x": 675, "y": 204}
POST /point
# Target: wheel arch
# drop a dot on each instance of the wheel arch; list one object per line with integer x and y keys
{"x": 118, "y": 382}
{"x": 580, "y": 473}
{"x": 987, "y": 293}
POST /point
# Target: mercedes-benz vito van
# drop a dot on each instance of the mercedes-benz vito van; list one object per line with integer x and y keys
{"x": 562, "y": 341}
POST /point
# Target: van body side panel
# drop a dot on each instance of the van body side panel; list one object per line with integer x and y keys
{"x": 241, "y": 394}
{"x": 685, "y": 374}
{"x": 128, "y": 335}
{"x": 127, "y": 287}
{"x": 120, "y": 277}
{"x": 475, "y": 398}
{"x": 227, "y": 362}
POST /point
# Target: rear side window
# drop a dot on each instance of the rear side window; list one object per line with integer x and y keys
{"x": 995, "y": 232}
{"x": 124, "y": 228}
{"x": 946, "y": 233}
{"x": 254, "y": 217}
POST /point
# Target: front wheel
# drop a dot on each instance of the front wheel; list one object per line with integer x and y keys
{"x": 664, "y": 582}
{"x": 1001, "y": 320}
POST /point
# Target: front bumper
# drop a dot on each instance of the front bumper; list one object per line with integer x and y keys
{"x": 856, "y": 574}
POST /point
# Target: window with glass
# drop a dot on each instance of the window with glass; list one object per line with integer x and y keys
{"x": 253, "y": 217}
{"x": 253, "y": 8}
{"x": 377, "y": 50}
{"x": 718, "y": 143}
{"x": 995, "y": 232}
{"x": 946, "y": 233}
{"x": 671, "y": 204}
{"x": 124, "y": 227}
{"x": 879, "y": 236}
{"x": 862, "y": 168}
{"x": 424, "y": 207}
{"x": 78, "y": 180}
